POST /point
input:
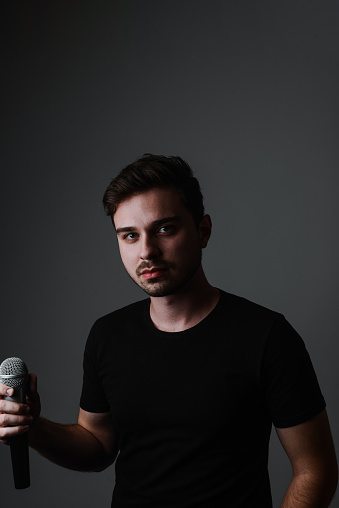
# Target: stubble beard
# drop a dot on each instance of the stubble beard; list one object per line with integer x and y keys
{"x": 164, "y": 286}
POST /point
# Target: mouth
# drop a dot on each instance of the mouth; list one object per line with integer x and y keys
{"x": 153, "y": 273}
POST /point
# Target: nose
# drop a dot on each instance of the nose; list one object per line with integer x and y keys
{"x": 149, "y": 247}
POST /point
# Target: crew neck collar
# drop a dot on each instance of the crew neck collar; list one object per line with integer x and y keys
{"x": 189, "y": 331}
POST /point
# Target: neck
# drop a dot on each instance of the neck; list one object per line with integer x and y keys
{"x": 185, "y": 308}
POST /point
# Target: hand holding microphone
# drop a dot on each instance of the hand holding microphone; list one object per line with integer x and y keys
{"x": 17, "y": 412}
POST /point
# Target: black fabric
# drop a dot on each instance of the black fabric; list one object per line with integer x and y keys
{"x": 194, "y": 409}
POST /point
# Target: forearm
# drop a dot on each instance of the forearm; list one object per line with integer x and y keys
{"x": 310, "y": 491}
{"x": 69, "y": 446}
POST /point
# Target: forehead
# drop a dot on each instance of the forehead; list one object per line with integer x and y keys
{"x": 149, "y": 206}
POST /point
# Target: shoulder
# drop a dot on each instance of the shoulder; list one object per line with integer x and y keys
{"x": 243, "y": 304}
{"x": 131, "y": 311}
{"x": 247, "y": 313}
{"x": 121, "y": 321}
{"x": 279, "y": 335}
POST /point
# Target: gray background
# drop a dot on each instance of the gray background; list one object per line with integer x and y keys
{"x": 247, "y": 93}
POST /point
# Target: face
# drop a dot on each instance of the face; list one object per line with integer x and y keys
{"x": 159, "y": 243}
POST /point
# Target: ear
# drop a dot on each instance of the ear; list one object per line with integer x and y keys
{"x": 205, "y": 230}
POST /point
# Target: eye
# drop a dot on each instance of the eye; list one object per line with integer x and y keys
{"x": 130, "y": 236}
{"x": 166, "y": 229}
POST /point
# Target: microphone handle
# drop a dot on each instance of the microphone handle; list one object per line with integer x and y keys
{"x": 20, "y": 461}
{"x": 19, "y": 447}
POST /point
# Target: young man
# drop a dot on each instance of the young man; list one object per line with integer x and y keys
{"x": 185, "y": 384}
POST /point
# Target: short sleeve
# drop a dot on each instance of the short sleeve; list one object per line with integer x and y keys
{"x": 93, "y": 398}
{"x": 292, "y": 392}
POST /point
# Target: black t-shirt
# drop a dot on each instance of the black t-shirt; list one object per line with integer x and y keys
{"x": 194, "y": 409}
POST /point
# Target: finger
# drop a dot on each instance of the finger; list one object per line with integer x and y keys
{"x": 6, "y": 390}
{"x": 7, "y": 406}
{"x": 9, "y": 420}
{"x": 8, "y": 432}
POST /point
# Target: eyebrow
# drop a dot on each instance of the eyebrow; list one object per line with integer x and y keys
{"x": 156, "y": 223}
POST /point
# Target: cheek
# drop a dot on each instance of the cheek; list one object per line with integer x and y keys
{"x": 181, "y": 246}
{"x": 172, "y": 246}
{"x": 126, "y": 256}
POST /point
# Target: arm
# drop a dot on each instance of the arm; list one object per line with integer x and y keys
{"x": 89, "y": 445}
{"x": 310, "y": 449}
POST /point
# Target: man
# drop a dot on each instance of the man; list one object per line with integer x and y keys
{"x": 185, "y": 385}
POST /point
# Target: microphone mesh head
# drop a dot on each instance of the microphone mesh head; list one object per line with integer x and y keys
{"x": 13, "y": 367}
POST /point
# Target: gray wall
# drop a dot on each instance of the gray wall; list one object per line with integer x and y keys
{"x": 247, "y": 93}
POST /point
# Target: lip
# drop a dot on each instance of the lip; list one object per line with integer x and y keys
{"x": 153, "y": 273}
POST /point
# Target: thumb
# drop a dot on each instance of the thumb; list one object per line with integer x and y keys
{"x": 33, "y": 398}
{"x": 32, "y": 385}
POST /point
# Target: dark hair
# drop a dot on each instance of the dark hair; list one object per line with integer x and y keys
{"x": 155, "y": 171}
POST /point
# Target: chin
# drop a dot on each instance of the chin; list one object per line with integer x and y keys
{"x": 160, "y": 289}
{"x": 158, "y": 292}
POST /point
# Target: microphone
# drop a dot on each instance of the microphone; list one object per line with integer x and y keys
{"x": 14, "y": 373}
